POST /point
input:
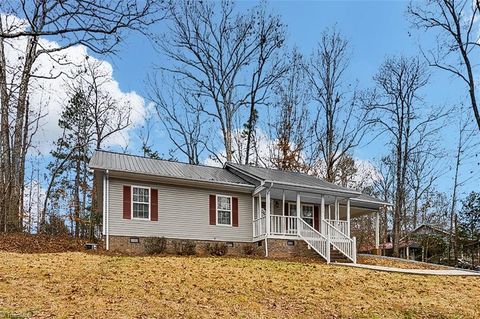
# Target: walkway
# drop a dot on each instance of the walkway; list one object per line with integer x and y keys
{"x": 443, "y": 272}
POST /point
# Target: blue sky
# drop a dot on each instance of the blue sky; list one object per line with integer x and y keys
{"x": 375, "y": 29}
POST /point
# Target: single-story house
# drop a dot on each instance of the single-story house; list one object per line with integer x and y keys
{"x": 410, "y": 246}
{"x": 279, "y": 213}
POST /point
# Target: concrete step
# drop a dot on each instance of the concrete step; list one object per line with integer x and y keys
{"x": 337, "y": 256}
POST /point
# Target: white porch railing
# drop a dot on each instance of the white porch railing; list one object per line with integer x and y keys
{"x": 283, "y": 225}
{"x": 341, "y": 241}
{"x": 317, "y": 241}
{"x": 259, "y": 227}
{"x": 341, "y": 225}
{"x": 292, "y": 226}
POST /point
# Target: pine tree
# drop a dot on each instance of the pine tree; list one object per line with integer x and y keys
{"x": 72, "y": 188}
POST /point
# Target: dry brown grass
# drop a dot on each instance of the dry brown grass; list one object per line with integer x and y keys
{"x": 28, "y": 243}
{"x": 80, "y": 285}
{"x": 405, "y": 264}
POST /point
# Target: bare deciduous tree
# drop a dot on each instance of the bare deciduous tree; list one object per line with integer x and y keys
{"x": 97, "y": 25}
{"x": 181, "y": 114}
{"x": 384, "y": 188}
{"x": 395, "y": 103}
{"x": 225, "y": 57}
{"x": 96, "y": 116}
{"x": 465, "y": 148}
{"x": 458, "y": 43}
{"x": 340, "y": 123}
{"x": 423, "y": 171}
{"x": 290, "y": 124}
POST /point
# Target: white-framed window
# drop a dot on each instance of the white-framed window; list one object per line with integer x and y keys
{"x": 307, "y": 214}
{"x": 224, "y": 210}
{"x": 140, "y": 202}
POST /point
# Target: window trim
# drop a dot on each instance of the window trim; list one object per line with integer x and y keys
{"x": 313, "y": 213}
{"x": 216, "y": 210}
{"x": 301, "y": 210}
{"x": 149, "y": 202}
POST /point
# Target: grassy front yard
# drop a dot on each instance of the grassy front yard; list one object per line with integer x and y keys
{"x": 79, "y": 285}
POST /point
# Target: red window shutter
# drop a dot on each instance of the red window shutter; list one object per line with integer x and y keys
{"x": 213, "y": 209}
{"x": 127, "y": 202}
{"x": 316, "y": 218}
{"x": 234, "y": 211}
{"x": 154, "y": 204}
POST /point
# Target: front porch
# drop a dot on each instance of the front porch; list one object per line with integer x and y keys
{"x": 321, "y": 219}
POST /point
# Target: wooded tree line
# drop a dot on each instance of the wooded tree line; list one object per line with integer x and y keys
{"x": 232, "y": 89}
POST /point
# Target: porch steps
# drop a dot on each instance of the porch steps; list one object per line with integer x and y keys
{"x": 337, "y": 257}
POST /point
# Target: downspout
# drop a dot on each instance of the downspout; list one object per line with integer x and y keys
{"x": 104, "y": 205}
{"x": 107, "y": 217}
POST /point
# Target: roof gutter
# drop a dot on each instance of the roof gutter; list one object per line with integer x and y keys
{"x": 259, "y": 188}
{"x": 371, "y": 201}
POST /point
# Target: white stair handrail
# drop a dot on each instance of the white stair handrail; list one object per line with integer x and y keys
{"x": 341, "y": 241}
{"x": 314, "y": 239}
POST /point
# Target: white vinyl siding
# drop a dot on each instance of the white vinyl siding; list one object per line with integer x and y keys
{"x": 183, "y": 212}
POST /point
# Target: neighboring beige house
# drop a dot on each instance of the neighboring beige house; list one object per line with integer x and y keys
{"x": 279, "y": 213}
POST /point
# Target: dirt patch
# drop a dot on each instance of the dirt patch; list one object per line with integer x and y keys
{"x": 390, "y": 262}
{"x": 27, "y": 243}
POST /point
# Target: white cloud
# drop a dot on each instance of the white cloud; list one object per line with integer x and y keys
{"x": 49, "y": 95}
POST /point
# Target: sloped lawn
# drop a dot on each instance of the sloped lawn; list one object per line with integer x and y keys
{"x": 80, "y": 285}
{"x": 397, "y": 263}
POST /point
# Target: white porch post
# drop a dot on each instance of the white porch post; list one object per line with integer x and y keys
{"x": 322, "y": 215}
{"x": 348, "y": 217}
{"x": 267, "y": 210}
{"x": 377, "y": 230}
{"x": 283, "y": 203}
{"x": 337, "y": 210}
{"x": 267, "y": 220}
{"x": 253, "y": 215}
{"x": 298, "y": 210}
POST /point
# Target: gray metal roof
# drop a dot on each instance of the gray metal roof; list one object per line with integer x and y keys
{"x": 112, "y": 161}
{"x": 141, "y": 165}
{"x": 282, "y": 177}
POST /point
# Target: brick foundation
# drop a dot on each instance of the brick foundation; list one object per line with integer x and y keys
{"x": 122, "y": 244}
{"x": 277, "y": 248}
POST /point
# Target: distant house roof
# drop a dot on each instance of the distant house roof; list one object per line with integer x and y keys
{"x": 141, "y": 165}
{"x": 425, "y": 228}
{"x": 283, "y": 177}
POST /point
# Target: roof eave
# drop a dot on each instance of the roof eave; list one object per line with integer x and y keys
{"x": 245, "y": 186}
{"x": 379, "y": 202}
